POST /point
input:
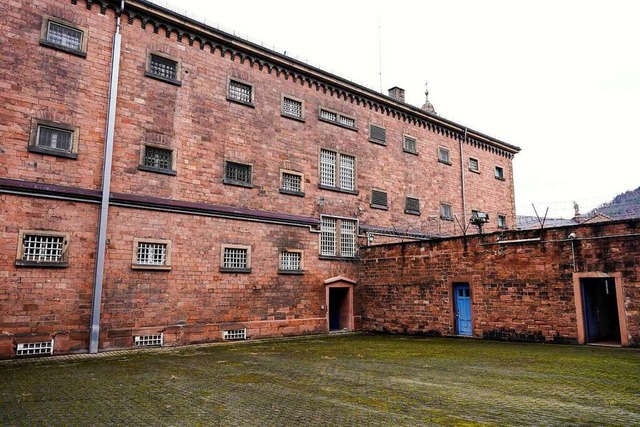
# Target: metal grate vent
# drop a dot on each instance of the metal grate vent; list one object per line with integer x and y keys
{"x": 412, "y": 205}
{"x": 235, "y": 334}
{"x": 35, "y": 348}
{"x": 379, "y": 198}
{"x": 148, "y": 340}
{"x": 378, "y": 134}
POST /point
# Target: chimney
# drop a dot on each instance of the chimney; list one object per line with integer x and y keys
{"x": 397, "y": 93}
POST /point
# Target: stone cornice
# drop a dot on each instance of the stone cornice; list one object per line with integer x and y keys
{"x": 202, "y": 36}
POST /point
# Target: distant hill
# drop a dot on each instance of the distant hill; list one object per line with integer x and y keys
{"x": 625, "y": 205}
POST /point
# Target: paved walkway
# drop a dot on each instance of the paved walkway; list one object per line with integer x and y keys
{"x": 328, "y": 380}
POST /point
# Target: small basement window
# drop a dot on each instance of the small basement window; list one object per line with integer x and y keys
{"x": 290, "y": 262}
{"x": 42, "y": 249}
{"x": 292, "y": 108}
{"x": 379, "y": 199}
{"x": 444, "y": 156}
{"x": 63, "y": 35}
{"x": 151, "y": 254}
{"x": 56, "y": 139}
{"x": 412, "y": 206}
{"x": 35, "y": 348}
{"x": 163, "y": 68}
{"x": 237, "y": 174}
{"x": 291, "y": 183}
{"x": 410, "y": 144}
{"x": 234, "y": 334}
{"x": 235, "y": 259}
{"x": 240, "y": 92}
{"x": 377, "y": 134}
{"x": 148, "y": 340}
{"x": 157, "y": 159}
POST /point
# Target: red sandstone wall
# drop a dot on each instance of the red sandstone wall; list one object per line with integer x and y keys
{"x": 519, "y": 291}
{"x": 46, "y": 302}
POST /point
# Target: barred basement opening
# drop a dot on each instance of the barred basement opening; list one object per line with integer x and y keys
{"x": 148, "y": 340}
{"x": 235, "y": 334}
{"x": 35, "y": 348}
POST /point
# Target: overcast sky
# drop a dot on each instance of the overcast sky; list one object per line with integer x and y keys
{"x": 559, "y": 79}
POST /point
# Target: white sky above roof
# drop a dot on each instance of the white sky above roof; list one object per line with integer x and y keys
{"x": 560, "y": 79}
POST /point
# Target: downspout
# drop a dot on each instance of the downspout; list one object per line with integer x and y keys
{"x": 464, "y": 197}
{"x": 94, "y": 337}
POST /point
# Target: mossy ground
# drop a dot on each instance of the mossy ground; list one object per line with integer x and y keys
{"x": 330, "y": 380}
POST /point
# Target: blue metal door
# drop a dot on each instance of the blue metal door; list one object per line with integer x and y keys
{"x": 462, "y": 306}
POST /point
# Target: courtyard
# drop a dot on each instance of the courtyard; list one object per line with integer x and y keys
{"x": 328, "y": 380}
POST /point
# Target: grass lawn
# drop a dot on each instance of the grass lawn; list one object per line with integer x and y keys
{"x": 329, "y": 380}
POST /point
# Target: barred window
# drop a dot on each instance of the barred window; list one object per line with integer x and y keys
{"x": 338, "y": 237}
{"x": 443, "y": 155}
{"x": 54, "y": 138}
{"x": 412, "y": 206}
{"x": 499, "y": 173}
{"x": 337, "y": 118}
{"x": 292, "y": 107}
{"x": 378, "y": 199}
{"x": 64, "y": 36}
{"x": 502, "y": 221}
{"x": 446, "y": 212}
{"x": 377, "y": 134}
{"x": 151, "y": 254}
{"x": 157, "y": 159}
{"x": 290, "y": 260}
{"x": 42, "y": 248}
{"x": 291, "y": 183}
{"x": 240, "y": 92}
{"x": 474, "y": 165}
{"x": 162, "y": 67}
{"x": 332, "y": 163}
{"x": 237, "y": 174}
{"x": 236, "y": 258}
{"x": 410, "y": 145}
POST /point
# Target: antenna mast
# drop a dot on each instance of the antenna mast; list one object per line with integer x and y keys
{"x": 380, "y": 52}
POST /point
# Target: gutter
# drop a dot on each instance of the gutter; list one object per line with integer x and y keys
{"x": 94, "y": 337}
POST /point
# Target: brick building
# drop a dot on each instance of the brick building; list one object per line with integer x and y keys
{"x": 161, "y": 180}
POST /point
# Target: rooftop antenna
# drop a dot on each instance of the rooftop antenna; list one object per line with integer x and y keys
{"x": 380, "y": 52}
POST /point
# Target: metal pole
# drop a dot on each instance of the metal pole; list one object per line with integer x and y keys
{"x": 94, "y": 337}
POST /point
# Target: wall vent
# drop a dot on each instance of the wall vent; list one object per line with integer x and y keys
{"x": 148, "y": 340}
{"x": 235, "y": 334}
{"x": 35, "y": 348}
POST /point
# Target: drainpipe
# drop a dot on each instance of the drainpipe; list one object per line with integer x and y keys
{"x": 106, "y": 188}
{"x": 464, "y": 198}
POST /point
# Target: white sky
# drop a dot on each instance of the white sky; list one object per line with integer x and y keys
{"x": 560, "y": 79}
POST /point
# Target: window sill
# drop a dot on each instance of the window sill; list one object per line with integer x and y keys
{"x": 408, "y": 212}
{"x": 474, "y": 171}
{"x": 500, "y": 178}
{"x": 336, "y": 189}
{"x": 80, "y": 53}
{"x": 337, "y": 258}
{"x": 289, "y": 116}
{"x": 237, "y": 101}
{"x": 150, "y": 267}
{"x": 237, "y": 183}
{"x": 156, "y": 170}
{"x": 415, "y": 153}
{"x": 378, "y": 142}
{"x": 291, "y": 272}
{"x": 52, "y": 152}
{"x": 355, "y": 129}
{"x": 292, "y": 193}
{"x": 381, "y": 207}
{"x": 235, "y": 270}
{"x": 163, "y": 79}
{"x": 21, "y": 263}
{"x": 444, "y": 162}
{"x": 446, "y": 218}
